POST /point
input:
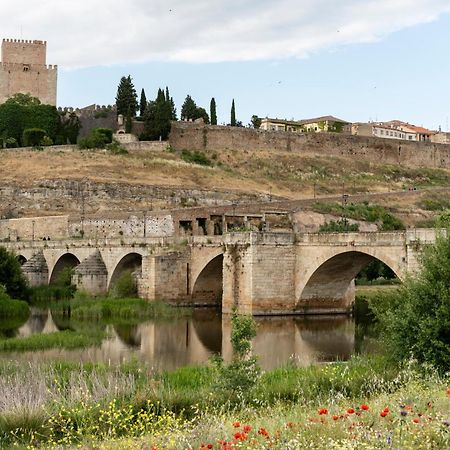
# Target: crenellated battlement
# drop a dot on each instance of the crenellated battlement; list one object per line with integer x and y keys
{"x": 24, "y": 69}
{"x": 25, "y": 41}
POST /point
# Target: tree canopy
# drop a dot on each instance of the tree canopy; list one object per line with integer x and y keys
{"x": 126, "y": 97}
{"x": 233, "y": 114}
{"x": 21, "y": 112}
{"x": 11, "y": 276}
{"x": 158, "y": 116}
{"x": 213, "y": 112}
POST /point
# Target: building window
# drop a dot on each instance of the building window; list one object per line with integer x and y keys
{"x": 381, "y": 131}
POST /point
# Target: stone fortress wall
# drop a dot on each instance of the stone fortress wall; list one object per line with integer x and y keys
{"x": 197, "y": 136}
{"x": 23, "y": 69}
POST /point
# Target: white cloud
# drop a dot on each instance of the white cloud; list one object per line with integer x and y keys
{"x": 99, "y": 32}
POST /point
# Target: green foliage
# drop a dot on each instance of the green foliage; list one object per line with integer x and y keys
{"x": 125, "y": 286}
{"x": 97, "y": 138}
{"x": 33, "y": 137}
{"x": 362, "y": 211}
{"x": 376, "y": 270}
{"x": 256, "y": 122}
{"x": 142, "y": 103}
{"x": 116, "y": 148}
{"x": 12, "y": 308}
{"x": 213, "y": 111}
{"x": 11, "y": 276}
{"x": 416, "y": 321}
{"x": 241, "y": 375}
{"x": 22, "y": 112}
{"x": 340, "y": 226}
{"x": 158, "y": 116}
{"x": 202, "y": 114}
{"x": 126, "y": 97}
{"x": 233, "y": 114}
{"x": 434, "y": 203}
{"x": 70, "y": 126}
{"x": 189, "y": 109}
{"x": 128, "y": 122}
{"x": 337, "y": 127}
{"x": 196, "y": 157}
{"x": 60, "y": 339}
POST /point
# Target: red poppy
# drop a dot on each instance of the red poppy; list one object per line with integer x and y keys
{"x": 263, "y": 432}
{"x": 365, "y": 407}
{"x": 323, "y": 411}
{"x": 386, "y": 410}
{"x": 448, "y": 392}
{"x": 236, "y": 424}
{"x": 383, "y": 413}
{"x": 335, "y": 417}
{"x": 416, "y": 420}
{"x": 350, "y": 410}
{"x": 247, "y": 428}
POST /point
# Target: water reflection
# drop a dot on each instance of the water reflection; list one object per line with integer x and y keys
{"x": 168, "y": 344}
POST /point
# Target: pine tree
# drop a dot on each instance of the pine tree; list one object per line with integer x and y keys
{"x": 142, "y": 103}
{"x": 128, "y": 122}
{"x": 212, "y": 110}
{"x": 126, "y": 97}
{"x": 233, "y": 114}
{"x": 158, "y": 116}
{"x": 173, "y": 110}
{"x": 189, "y": 109}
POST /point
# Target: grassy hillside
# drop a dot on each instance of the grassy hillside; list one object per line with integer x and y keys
{"x": 281, "y": 175}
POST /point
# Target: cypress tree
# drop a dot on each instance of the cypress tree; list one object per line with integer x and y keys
{"x": 126, "y": 97}
{"x": 233, "y": 114}
{"x": 212, "y": 110}
{"x": 142, "y": 103}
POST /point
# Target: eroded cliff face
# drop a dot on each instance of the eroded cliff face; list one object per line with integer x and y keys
{"x": 49, "y": 197}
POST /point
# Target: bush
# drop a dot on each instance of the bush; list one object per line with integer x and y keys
{"x": 33, "y": 137}
{"x": 416, "y": 321}
{"x": 125, "y": 286}
{"x": 240, "y": 376}
{"x": 195, "y": 158}
{"x": 97, "y": 138}
{"x": 341, "y": 226}
{"x": 12, "y": 308}
{"x": 11, "y": 276}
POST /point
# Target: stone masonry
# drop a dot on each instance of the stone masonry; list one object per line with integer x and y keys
{"x": 23, "y": 69}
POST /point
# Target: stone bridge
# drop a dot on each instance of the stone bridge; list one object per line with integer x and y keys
{"x": 258, "y": 272}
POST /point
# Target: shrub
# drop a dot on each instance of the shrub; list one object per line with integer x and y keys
{"x": 97, "y": 138}
{"x": 195, "y": 158}
{"x": 416, "y": 321}
{"x": 338, "y": 227}
{"x": 12, "y": 308}
{"x": 125, "y": 286}
{"x": 11, "y": 276}
{"x": 241, "y": 375}
{"x": 33, "y": 137}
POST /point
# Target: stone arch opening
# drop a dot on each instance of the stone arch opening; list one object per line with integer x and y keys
{"x": 131, "y": 263}
{"x": 331, "y": 287}
{"x": 208, "y": 287}
{"x": 66, "y": 261}
{"x": 22, "y": 260}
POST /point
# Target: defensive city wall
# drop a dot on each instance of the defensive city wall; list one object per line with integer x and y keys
{"x": 197, "y": 136}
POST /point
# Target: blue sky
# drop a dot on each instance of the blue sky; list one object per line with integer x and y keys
{"x": 361, "y": 60}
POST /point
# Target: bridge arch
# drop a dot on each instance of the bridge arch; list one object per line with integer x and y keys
{"x": 207, "y": 288}
{"x": 131, "y": 262}
{"x": 67, "y": 260}
{"x": 330, "y": 284}
{"x": 22, "y": 260}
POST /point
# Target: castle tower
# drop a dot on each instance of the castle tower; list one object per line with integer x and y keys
{"x": 23, "y": 69}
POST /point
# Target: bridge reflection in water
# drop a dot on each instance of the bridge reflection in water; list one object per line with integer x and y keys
{"x": 169, "y": 344}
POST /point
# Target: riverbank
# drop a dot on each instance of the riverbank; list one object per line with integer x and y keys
{"x": 67, "y": 404}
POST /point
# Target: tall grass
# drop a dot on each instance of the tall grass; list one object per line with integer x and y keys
{"x": 54, "y": 402}
{"x": 13, "y": 309}
{"x": 61, "y": 339}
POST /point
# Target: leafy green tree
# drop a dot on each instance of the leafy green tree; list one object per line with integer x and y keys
{"x": 158, "y": 116}
{"x": 212, "y": 110}
{"x": 23, "y": 111}
{"x": 416, "y": 320}
{"x": 233, "y": 114}
{"x": 126, "y": 97}
{"x": 11, "y": 276}
{"x": 256, "y": 122}
{"x": 33, "y": 137}
{"x": 142, "y": 103}
{"x": 189, "y": 109}
{"x": 202, "y": 114}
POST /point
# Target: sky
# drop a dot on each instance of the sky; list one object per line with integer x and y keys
{"x": 358, "y": 60}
